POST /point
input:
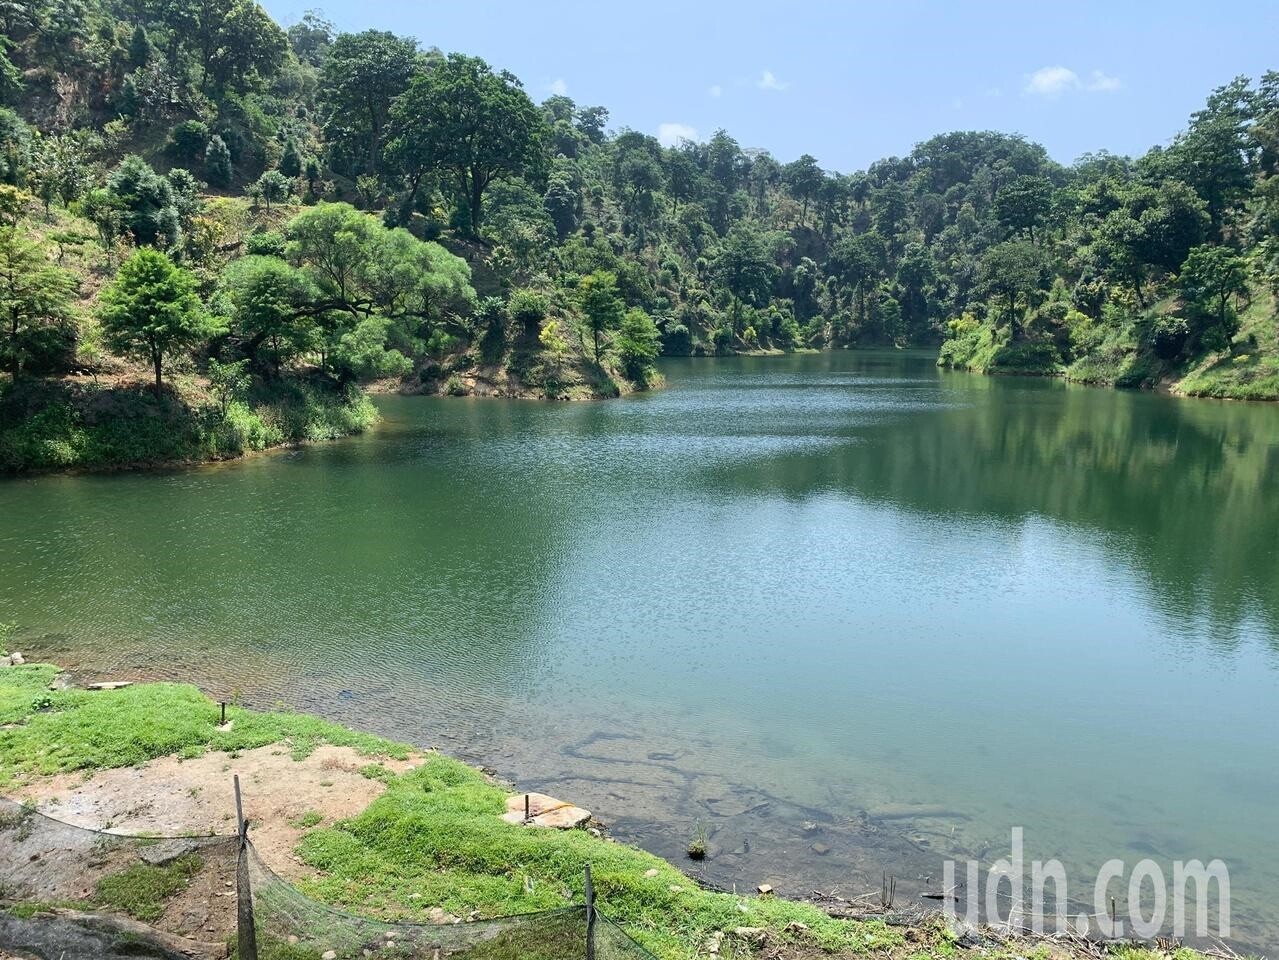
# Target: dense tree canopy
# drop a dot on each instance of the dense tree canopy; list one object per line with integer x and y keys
{"x": 475, "y": 126}
{"x": 353, "y": 205}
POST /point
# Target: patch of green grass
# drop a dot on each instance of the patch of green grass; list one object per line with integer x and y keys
{"x": 28, "y": 909}
{"x": 307, "y": 820}
{"x": 376, "y": 771}
{"x": 141, "y": 891}
{"x": 87, "y": 730}
{"x": 436, "y": 838}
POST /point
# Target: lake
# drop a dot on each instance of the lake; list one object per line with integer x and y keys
{"x": 849, "y": 613}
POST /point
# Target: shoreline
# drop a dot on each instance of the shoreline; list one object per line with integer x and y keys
{"x": 105, "y": 778}
{"x": 921, "y": 921}
{"x": 1164, "y": 387}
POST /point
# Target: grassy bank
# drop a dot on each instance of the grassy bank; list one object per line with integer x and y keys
{"x": 435, "y": 837}
{"x": 1128, "y": 351}
{"x": 74, "y": 423}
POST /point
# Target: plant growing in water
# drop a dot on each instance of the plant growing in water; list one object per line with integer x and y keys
{"x": 697, "y": 845}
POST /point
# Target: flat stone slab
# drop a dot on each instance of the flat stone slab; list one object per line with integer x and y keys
{"x": 545, "y": 811}
{"x": 110, "y": 685}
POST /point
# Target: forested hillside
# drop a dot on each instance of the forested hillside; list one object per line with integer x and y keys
{"x": 215, "y": 230}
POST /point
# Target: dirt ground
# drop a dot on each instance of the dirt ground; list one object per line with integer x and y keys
{"x": 172, "y": 796}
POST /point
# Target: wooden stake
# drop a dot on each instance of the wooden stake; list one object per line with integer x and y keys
{"x": 245, "y": 928}
{"x": 590, "y": 915}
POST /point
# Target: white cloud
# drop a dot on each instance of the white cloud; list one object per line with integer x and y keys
{"x": 1054, "y": 81}
{"x": 768, "y": 81}
{"x": 1099, "y": 82}
{"x": 558, "y": 87}
{"x": 716, "y": 90}
{"x": 1051, "y": 81}
{"x": 669, "y": 134}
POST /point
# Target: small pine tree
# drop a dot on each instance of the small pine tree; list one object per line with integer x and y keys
{"x": 217, "y": 163}
{"x": 140, "y": 48}
{"x": 291, "y": 159}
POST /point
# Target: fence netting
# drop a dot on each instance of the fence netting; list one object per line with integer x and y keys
{"x": 291, "y": 925}
{"x": 69, "y": 892}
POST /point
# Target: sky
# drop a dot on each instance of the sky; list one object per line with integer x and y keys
{"x": 852, "y": 82}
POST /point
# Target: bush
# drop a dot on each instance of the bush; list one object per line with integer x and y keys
{"x": 264, "y": 243}
{"x": 1168, "y": 336}
{"x": 188, "y": 141}
{"x": 527, "y": 307}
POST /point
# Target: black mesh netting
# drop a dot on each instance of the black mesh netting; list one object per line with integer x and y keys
{"x": 291, "y": 925}
{"x": 68, "y": 892}
{"x": 73, "y": 892}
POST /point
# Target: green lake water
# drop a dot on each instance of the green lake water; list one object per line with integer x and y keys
{"x": 781, "y": 592}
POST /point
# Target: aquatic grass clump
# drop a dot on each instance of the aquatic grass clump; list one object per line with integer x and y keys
{"x": 697, "y": 846}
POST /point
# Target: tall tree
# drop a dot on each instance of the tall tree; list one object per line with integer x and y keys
{"x": 477, "y": 126}
{"x": 1210, "y": 277}
{"x": 745, "y": 267}
{"x": 362, "y": 74}
{"x": 1014, "y": 270}
{"x": 34, "y": 294}
{"x": 804, "y": 178}
{"x": 600, "y": 304}
{"x": 151, "y": 310}
{"x": 1023, "y": 204}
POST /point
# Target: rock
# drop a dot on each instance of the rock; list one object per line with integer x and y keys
{"x": 110, "y": 685}
{"x": 594, "y": 832}
{"x": 715, "y": 941}
{"x": 16, "y": 659}
{"x": 438, "y": 915}
{"x": 675, "y": 888}
{"x": 329, "y": 955}
{"x": 293, "y": 938}
{"x": 752, "y": 936}
{"x": 60, "y": 682}
{"x": 163, "y": 853}
{"x": 820, "y": 849}
{"x": 225, "y": 727}
{"x": 810, "y": 826}
{"x": 651, "y": 872}
{"x": 545, "y": 811}
{"x": 764, "y": 889}
{"x": 796, "y": 926}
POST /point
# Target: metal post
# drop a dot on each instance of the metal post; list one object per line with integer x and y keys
{"x": 246, "y": 932}
{"x": 590, "y": 915}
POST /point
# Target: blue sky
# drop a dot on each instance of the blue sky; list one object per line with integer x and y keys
{"x": 852, "y": 82}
